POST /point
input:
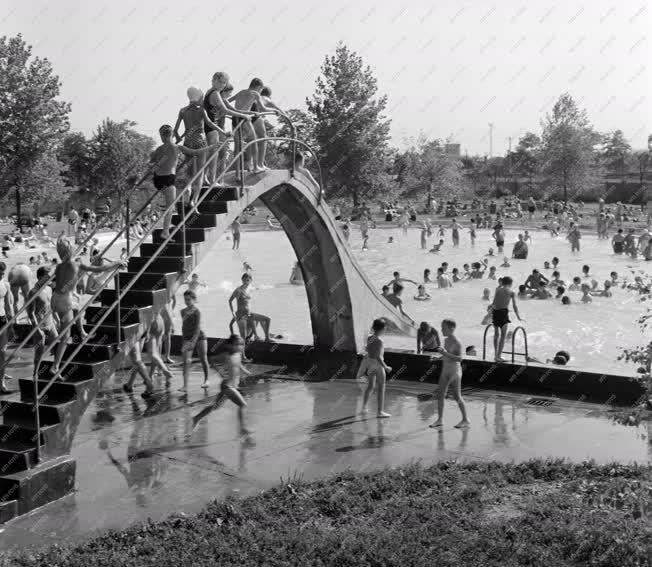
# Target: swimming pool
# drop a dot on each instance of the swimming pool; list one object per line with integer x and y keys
{"x": 594, "y": 334}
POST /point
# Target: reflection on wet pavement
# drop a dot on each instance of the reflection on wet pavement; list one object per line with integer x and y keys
{"x": 135, "y": 461}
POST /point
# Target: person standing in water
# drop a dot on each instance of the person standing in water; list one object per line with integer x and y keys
{"x": 451, "y": 374}
{"x": 235, "y": 230}
{"x": 574, "y": 236}
{"x": 6, "y": 314}
{"x": 244, "y": 317}
{"x": 456, "y": 232}
{"x": 194, "y": 119}
{"x": 374, "y": 367}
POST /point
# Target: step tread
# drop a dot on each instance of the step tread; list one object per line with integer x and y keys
{"x": 13, "y": 446}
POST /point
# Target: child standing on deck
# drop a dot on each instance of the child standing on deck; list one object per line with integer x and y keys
{"x": 192, "y": 336}
{"x": 230, "y": 383}
{"x": 451, "y": 374}
{"x": 374, "y": 367}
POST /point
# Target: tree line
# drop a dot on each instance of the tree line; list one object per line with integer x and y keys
{"x": 344, "y": 121}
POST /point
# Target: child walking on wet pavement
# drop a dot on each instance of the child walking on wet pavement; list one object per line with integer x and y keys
{"x": 451, "y": 374}
{"x": 374, "y": 367}
{"x": 193, "y": 336}
{"x": 230, "y": 383}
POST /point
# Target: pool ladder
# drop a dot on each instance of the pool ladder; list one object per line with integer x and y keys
{"x": 513, "y": 352}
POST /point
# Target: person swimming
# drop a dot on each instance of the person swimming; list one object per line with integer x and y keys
{"x": 421, "y": 294}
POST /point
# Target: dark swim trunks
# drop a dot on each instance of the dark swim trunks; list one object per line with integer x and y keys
{"x": 531, "y": 209}
{"x": 500, "y": 243}
{"x": 500, "y": 317}
{"x": 163, "y": 181}
{"x": 619, "y": 247}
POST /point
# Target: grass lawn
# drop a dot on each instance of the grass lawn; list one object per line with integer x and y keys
{"x": 547, "y": 513}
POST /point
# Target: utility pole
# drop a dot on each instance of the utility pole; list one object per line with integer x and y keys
{"x": 491, "y": 139}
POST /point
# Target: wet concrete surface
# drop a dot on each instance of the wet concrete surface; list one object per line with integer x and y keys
{"x": 134, "y": 461}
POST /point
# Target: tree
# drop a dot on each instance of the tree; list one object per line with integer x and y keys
{"x": 118, "y": 156}
{"x": 351, "y": 132}
{"x": 568, "y": 141}
{"x": 32, "y": 119}
{"x": 525, "y": 159}
{"x": 75, "y": 154}
{"x": 433, "y": 171}
{"x": 42, "y": 185}
{"x": 616, "y": 152}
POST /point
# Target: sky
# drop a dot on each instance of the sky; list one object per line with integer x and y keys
{"x": 449, "y": 69}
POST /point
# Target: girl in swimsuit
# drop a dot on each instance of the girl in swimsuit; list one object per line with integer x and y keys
{"x": 194, "y": 118}
{"x": 374, "y": 367}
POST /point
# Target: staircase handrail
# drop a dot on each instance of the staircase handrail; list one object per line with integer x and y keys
{"x": 89, "y": 238}
{"x": 128, "y": 286}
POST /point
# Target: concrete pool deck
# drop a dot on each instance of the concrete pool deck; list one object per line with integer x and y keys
{"x": 134, "y": 463}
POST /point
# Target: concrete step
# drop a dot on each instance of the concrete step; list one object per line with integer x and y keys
{"x": 136, "y": 298}
{"x": 219, "y": 194}
{"x": 197, "y": 220}
{"x": 60, "y": 391}
{"x": 39, "y": 485}
{"x": 16, "y": 457}
{"x": 128, "y": 315}
{"x": 107, "y": 333}
{"x": 192, "y": 235}
{"x": 22, "y": 413}
{"x": 74, "y": 372}
{"x": 149, "y": 281}
{"x": 160, "y": 265}
{"x": 172, "y": 249}
{"x": 25, "y": 433}
{"x": 92, "y": 351}
{"x": 8, "y": 511}
{"x": 210, "y": 207}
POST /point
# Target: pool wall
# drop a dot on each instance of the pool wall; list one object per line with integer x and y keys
{"x": 553, "y": 381}
{"x": 307, "y": 363}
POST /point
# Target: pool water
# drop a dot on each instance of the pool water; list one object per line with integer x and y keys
{"x": 594, "y": 333}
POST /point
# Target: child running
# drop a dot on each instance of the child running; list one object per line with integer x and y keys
{"x": 230, "y": 383}
{"x": 451, "y": 374}
{"x": 374, "y": 367}
{"x": 500, "y": 314}
{"x": 192, "y": 336}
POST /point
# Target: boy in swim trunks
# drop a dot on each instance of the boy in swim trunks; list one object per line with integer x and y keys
{"x": 165, "y": 159}
{"x": 250, "y": 102}
{"x": 40, "y": 315}
{"x": 374, "y": 367}
{"x": 193, "y": 336}
{"x": 66, "y": 274}
{"x": 6, "y": 314}
{"x": 451, "y": 374}
{"x": 500, "y": 314}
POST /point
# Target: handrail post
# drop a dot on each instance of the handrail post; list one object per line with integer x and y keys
{"x": 182, "y": 217}
{"x": 37, "y": 417}
{"x": 127, "y": 228}
{"x": 118, "y": 317}
{"x": 484, "y": 343}
{"x": 242, "y": 163}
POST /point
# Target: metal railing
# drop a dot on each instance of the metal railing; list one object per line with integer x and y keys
{"x": 513, "y": 351}
{"x": 120, "y": 293}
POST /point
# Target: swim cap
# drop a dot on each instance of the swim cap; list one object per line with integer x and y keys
{"x": 194, "y": 94}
